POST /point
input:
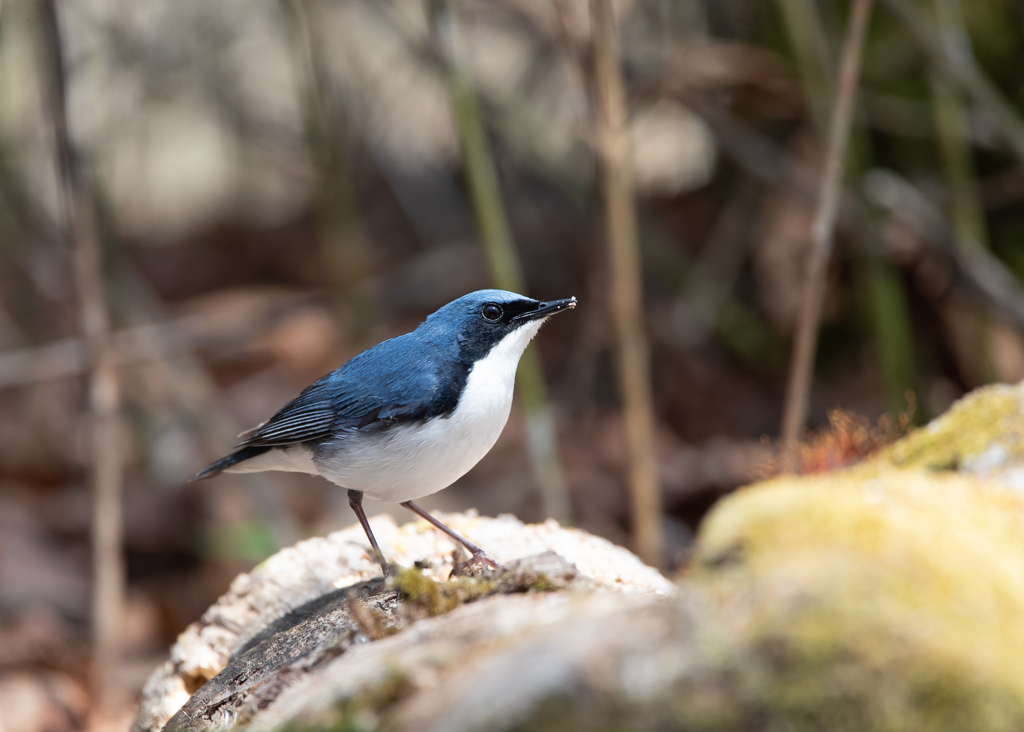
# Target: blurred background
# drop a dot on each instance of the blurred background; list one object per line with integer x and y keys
{"x": 264, "y": 188}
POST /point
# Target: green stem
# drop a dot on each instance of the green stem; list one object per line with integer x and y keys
{"x": 502, "y": 260}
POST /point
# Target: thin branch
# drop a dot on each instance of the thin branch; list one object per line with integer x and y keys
{"x": 104, "y": 389}
{"x": 801, "y": 369}
{"x": 625, "y": 300}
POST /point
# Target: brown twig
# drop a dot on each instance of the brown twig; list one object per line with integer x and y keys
{"x": 801, "y": 369}
{"x": 625, "y": 297}
{"x": 104, "y": 390}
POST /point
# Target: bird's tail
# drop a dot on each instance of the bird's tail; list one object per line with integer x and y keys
{"x": 234, "y": 458}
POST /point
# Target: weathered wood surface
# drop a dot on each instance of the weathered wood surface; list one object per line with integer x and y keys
{"x": 313, "y": 603}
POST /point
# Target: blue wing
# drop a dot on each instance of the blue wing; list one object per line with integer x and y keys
{"x": 376, "y": 390}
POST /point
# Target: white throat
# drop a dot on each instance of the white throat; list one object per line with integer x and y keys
{"x": 497, "y": 370}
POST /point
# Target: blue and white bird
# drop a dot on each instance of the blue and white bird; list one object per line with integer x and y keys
{"x": 411, "y": 415}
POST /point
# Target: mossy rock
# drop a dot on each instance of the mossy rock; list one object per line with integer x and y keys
{"x": 981, "y": 432}
{"x": 888, "y": 603}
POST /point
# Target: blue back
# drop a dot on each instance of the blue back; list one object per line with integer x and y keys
{"x": 413, "y": 377}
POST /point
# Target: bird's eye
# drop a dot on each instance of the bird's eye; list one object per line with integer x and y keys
{"x": 491, "y": 312}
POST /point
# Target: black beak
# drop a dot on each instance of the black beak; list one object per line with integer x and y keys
{"x": 545, "y": 309}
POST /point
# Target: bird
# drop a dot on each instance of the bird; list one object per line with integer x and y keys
{"x": 409, "y": 416}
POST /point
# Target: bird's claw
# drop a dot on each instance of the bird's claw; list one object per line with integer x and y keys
{"x": 478, "y": 565}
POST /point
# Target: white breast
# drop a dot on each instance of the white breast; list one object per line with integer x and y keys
{"x": 408, "y": 462}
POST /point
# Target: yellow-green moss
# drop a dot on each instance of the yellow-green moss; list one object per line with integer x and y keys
{"x": 889, "y": 603}
{"x": 438, "y": 598}
{"x": 543, "y": 583}
{"x": 986, "y": 419}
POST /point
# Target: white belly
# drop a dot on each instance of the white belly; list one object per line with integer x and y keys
{"x": 408, "y": 462}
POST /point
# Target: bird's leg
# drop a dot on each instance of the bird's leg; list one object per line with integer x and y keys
{"x": 478, "y": 554}
{"x": 355, "y": 500}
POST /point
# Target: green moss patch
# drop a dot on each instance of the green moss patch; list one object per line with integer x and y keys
{"x": 438, "y": 598}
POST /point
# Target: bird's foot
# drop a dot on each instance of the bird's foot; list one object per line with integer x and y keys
{"x": 378, "y": 556}
{"x": 478, "y": 565}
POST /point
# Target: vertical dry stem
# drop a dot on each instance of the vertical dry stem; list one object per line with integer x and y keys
{"x": 801, "y": 369}
{"x": 104, "y": 391}
{"x": 626, "y": 290}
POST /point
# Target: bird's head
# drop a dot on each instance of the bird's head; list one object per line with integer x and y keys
{"x": 482, "y": 320}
